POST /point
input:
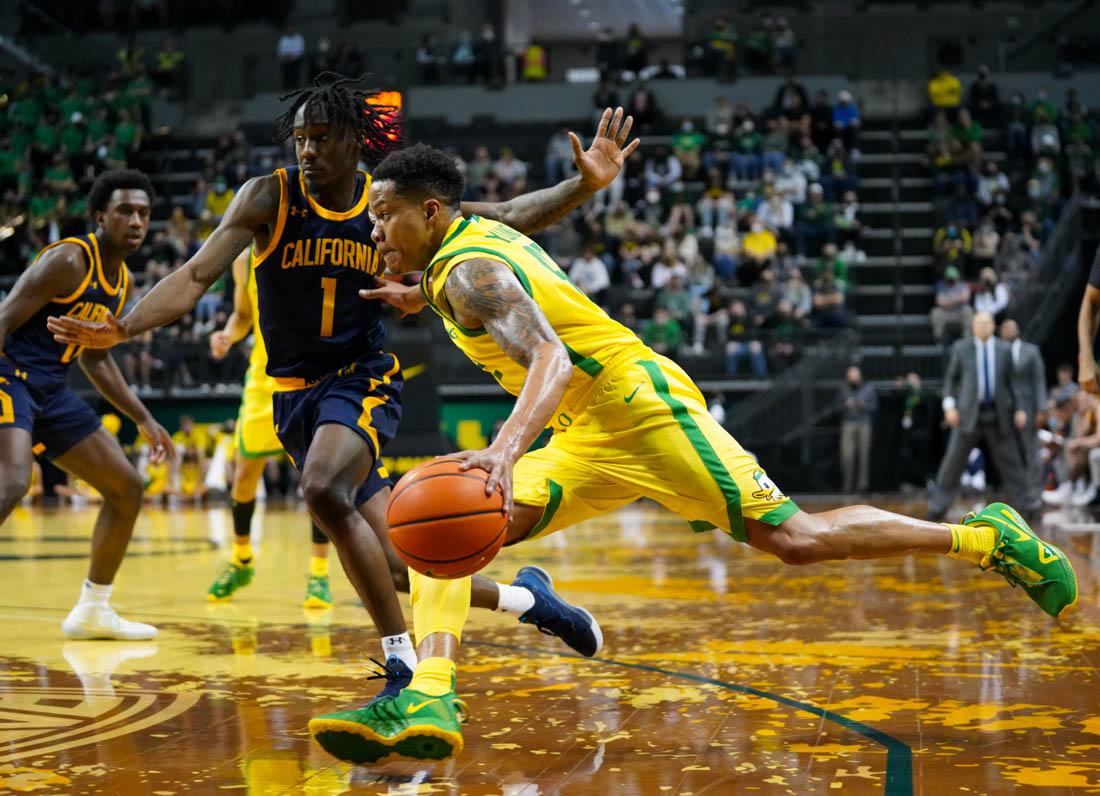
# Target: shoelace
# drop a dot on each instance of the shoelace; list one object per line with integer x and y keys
{"x": 387, "y": 672}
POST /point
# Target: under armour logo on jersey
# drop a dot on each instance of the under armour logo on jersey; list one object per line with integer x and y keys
{"x": 299, "y": 211}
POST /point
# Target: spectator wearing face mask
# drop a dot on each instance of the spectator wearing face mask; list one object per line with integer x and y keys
{"x": 218, "y": 198}
{"x": 1046, "y": 139}
{"x": 791, "y": 183}
{"x": 662, "y": 170}
{"x": 688, "y": 145}
{"x": 746, "y": 151}
{"x": 952, "y": 305}
{"x": 589, "y": 273}
{"x": 846, "y": 120}
{"x": 858, "y": 403}
{"x": 992, "y": 296}
{"x": 991, "y": 181}
{"x": 1017, "y": 121}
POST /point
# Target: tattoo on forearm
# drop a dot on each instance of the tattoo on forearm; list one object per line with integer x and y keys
{"x": 489, "y": 292}
{"x": 534, "y": 211}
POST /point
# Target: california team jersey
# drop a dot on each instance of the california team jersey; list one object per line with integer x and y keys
{"x": 32, "y": 348}
{"x": 308, "y": 280}
{"x": 592, "y": 339}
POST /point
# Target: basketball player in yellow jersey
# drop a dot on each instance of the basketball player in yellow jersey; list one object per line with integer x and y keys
{"x": 627, "y": 422}
{"x": 256, "y": 443}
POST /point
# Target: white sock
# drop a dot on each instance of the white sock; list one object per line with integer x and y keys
{"x": 514, "y": 599}
{"x": 94, "y": 594}
{"x": 402, "y": 647}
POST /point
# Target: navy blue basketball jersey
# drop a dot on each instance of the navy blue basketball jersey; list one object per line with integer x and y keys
{"x": 32, "y": 347}
{"x": 308, "y": 281}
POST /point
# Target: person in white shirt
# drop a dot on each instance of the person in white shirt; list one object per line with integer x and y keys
{"x": 589, "y": 274}
{"x": 777, "y": 213}
{"x": 664, "y": 270}
{"x": 791, "y": 183}
{"x": 291, "y": 51}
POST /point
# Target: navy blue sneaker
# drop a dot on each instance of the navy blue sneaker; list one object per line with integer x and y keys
{"x": 397, "y": 675}
{"x": 555, "y": 617}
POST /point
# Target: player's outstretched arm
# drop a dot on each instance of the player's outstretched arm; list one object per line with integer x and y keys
{"x": 596, "y": 166}
{"x": 253, "y": 209}
{"x": 486, "y": 293}
{"x": 1088, "y": 373}
{"x": 239, "y": 323}
{"x": 56, "y": 273}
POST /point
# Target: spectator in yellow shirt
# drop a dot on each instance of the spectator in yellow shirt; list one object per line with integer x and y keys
{"x": 218, "y": 199}
{"x": 945, "y": 91}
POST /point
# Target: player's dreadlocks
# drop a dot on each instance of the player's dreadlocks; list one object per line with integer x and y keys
{"x": 344, "y": 101}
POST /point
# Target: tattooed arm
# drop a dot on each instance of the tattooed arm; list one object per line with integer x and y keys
{"x": 251, "y": 214}
{"x": 486, "y": 294}
{"x": 596, "y": 168}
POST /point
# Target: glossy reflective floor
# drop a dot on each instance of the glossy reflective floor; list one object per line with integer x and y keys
{"x": 723, "y": 672}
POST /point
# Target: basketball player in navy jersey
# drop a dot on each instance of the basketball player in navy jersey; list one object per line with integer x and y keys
{"x": 338, "y": 390}
{"x": 80, "y": 277}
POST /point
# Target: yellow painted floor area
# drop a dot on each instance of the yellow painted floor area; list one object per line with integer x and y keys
{"x": 723, "y": 672}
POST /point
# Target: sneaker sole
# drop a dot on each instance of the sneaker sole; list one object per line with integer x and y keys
{"x": 359, "y": 744}
{"x": 83, "y": 635}
{"x": 593, "y": 624}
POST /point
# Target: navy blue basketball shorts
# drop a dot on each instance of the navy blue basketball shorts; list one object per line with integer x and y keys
{"x": 55, "y": 416}
{"x": 365, "y": 396}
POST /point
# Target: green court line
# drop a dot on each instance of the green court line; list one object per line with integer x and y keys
{"x": 899, "y": 755}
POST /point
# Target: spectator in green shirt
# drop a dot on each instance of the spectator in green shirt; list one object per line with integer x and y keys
{"x": 110, "y": 155}
{"x": 746, "y": 151}
{"x": 74, "y": 135}
{"x": 1045, "y": 104}
{"x": 59, "y": 177}
{"x": 72, "y": 103}
{"x": 829, "y": 262}
{"x": 42, "y": 206}
{"x": 128, "y": 132}
{"x": 687, "y": 145}
{"x": 676, "y": 299}
{"x": 662, "y": 333}
{"x": 45, "y": 142}
{"x": 28, "y": 110}
{"x": 100, "y": 124}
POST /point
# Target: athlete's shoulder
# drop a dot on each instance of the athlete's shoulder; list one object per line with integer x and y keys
{"x": 64, "y": 260}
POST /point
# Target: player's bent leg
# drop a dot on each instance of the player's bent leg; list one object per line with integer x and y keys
{"x": 99, "y": 460}
{"x": 338, "y": 461}
{"x": 239, "y": 571}
{"x": 424, "y": 720}
{"x": 16, "y": 460}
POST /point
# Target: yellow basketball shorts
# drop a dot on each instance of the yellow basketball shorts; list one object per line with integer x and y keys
{"x": 256, "y": 436}
{"x": 647, "y": 433}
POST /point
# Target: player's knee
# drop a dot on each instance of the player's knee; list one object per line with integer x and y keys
{"x": 327, "y": 501}
{"x": 12, "y": 489}
{"x": 125, "y": 491}
{"x": 400, "y": 577}
{"x": 799, "y": 543}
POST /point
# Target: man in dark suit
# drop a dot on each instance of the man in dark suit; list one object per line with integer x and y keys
{"x": 1029, "y": 378}
{"x": 980, "y": 405}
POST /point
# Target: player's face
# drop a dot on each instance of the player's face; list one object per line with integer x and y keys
{"x": 126, "y": 219}
{"x": 325, "y": 153}
{"x": 403, "y": 229}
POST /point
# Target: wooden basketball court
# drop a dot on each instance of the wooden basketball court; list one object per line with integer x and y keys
{"x": 723, "y": 672}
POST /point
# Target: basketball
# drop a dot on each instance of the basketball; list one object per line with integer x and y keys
{"x": 441, "y": 521}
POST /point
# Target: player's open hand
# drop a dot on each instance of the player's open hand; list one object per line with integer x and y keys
{"x": 499, "y": 467}
{"x": 160, "y": 441}
{"x": 603, "y": 160}
{"x": 408, "y": 299}
{"x": 220, "y": 343}
{"x": 90, "y": 334}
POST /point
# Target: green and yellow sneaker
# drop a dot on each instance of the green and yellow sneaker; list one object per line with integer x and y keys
{"x": 412, "y": 726}
{"x": 317, "y": 593}
{"x": 1025, "y": 560}
{"x": 232, "y": 577}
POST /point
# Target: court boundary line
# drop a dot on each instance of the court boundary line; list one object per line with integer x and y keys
{"x": 899, "y": 755}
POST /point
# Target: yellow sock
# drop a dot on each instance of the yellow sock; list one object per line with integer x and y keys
{"x": 971, "y": 542}
{"x": 242, "y": 553}
{"x": 318, "y": 567}
{"x": 434, "y": 676}
{"x": 439, "y": 606}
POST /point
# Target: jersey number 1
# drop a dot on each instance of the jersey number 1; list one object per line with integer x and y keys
{"x": 328, "y": 305}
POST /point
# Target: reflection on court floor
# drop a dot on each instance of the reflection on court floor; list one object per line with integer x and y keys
{"x": 723, "y": 671}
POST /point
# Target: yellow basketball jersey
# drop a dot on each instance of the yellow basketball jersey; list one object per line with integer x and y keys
{"x": 594, "y": 341}
{"x": 257, "y": 364}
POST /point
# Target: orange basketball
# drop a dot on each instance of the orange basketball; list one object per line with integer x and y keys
{"x": 442, "y": 523}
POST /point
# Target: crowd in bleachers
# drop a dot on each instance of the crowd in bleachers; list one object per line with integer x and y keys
{"x": 1001, "y": 173}
{"x": 730, "y": 242}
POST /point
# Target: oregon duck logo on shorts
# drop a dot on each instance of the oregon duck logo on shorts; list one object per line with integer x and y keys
{"x": 767, "y": 490}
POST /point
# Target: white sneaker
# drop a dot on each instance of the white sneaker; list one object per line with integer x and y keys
{"x": 1082, "y": 497}
{"x": 89, "y": 620}
{"x": 1060, "y": 496}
